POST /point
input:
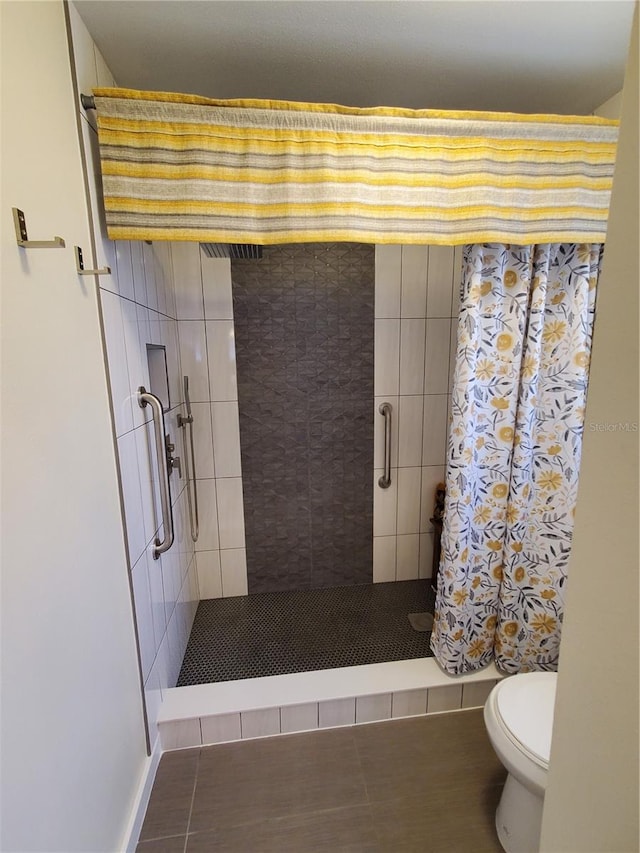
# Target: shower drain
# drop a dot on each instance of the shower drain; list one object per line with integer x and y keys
{"x": 421, "y": 621}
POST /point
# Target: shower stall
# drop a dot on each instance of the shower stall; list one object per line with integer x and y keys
{"x": 298, "y": 559}
{"x": 299, "y": 444}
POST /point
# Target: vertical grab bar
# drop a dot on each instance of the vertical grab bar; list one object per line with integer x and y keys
{"x": 146, "y": 398}
{"x": 385, "y": 481}
{"x": 191, "y": 476}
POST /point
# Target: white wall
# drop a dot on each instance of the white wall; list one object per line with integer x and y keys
{"x": 73, "y": 745}
{"x": 139, "y": 307}
{"x": 591, "y": 802}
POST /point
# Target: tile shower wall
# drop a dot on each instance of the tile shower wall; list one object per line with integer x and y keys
{"x": 207, "y": 349}
{"x": 139, "y": 308}
{"x": 416, "y": 309}
{"x": 304, "y": 326}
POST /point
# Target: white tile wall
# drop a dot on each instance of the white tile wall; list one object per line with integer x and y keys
{"x": 180, "y": 734}
{"x": 476, "y": 693}
{"x": 117, "y": 357}
{"x": 203, "y": 441}
{"x": 371, "y": 708}
{"x": 409, "y": 482}
{"x": 216, "y": 282}
{"x": 444, "y": 699}
{"x": 132, "y": 495}
{"x": 385, "y": 504}
{"x": 207, "y": 350}
{"x": 139, "y": 307}
{"x": 224, "y": 727}
{"x": 209, "y": 574}
{"x": 407, "y": 557}
{"x": 384, "y": 558}
{"x": 415, "y": 302}
{"x": 226, "y": 439}
{"x": 260, "y": 723}
{"x": 188, "y": 277}
{"x": 426, "y": 555}
{"x": 336, "y": 712}
{"x": 208, "y": 515}
{"x": 230, "y": 512}
{"x": 193, "y": 355}
{"x": 417, "y": 295}
{"x": 409, "y": 431}
{"x": 222, "y": 360}
{"x": 415, "y": 262}
{"x": 409, "y": 703}
{"x": 412, "y": 344}
{"x": 233, "y": 567}
{"x": 299, "y": 718}
{"x": 388, "y": 272}
{"x": 440, "y": 280}
{"x": 434, "y": 430}
{"x": 387, "y": 357}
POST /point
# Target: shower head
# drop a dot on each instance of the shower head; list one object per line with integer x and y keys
{"x": 243, "y": 251}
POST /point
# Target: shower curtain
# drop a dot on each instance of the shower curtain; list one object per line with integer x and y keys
{"x": 518, "y": 400}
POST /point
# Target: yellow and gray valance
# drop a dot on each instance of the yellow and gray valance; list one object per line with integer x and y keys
{"x": 182, "y": 167}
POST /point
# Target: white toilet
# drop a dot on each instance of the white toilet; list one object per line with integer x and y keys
{"x": 519, "y": 717}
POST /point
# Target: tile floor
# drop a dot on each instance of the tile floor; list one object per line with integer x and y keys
{"x": 280, "y": 632}
{"x": 427, "y": 784}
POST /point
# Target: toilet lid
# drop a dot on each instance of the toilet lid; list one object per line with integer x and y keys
{"x": 525, "y": 704}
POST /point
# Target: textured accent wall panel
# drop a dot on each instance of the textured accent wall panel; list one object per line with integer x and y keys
{"x": 304, "y": 328}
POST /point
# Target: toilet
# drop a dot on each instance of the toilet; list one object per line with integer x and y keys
{"x": 518, "y": 715}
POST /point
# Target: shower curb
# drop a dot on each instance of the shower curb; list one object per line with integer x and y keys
{"x": 229, "y": 711}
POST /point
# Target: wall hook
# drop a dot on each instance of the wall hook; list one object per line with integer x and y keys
{"x": 23, "y": 239}
{"x": 80, "y": 265}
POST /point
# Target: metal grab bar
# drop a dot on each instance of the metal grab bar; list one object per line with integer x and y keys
{"x": 385, "y": 481}
{"x": 146, "y": 398}
{"x": 182, "y": 423}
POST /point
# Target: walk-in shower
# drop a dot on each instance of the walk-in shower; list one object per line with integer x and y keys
{"x": 304, "y": 334}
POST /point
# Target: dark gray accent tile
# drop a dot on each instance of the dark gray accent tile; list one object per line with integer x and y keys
{"x": 276, "y": 777}
{"x": 304, "y": 333}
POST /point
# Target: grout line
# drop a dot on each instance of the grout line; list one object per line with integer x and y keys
{"x": 193, "y": 793}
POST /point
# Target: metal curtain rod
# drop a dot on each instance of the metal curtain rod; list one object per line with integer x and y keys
{"x": 88, "y": 102}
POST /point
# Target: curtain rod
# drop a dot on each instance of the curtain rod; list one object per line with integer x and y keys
{"x": 88, "y": 102}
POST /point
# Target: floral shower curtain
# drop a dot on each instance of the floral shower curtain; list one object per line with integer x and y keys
{"x": 520, "y": 385}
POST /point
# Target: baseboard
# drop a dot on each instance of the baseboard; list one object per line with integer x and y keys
{"x": 141, "y": 801}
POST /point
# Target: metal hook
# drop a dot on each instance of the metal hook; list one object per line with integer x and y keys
{"x": 80, "y": 265}
{"x": 23, "y": 239}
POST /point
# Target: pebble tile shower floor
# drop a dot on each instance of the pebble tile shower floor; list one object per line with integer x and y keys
{"x": 284, "y": 632}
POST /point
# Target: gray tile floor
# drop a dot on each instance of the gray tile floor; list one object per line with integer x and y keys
{"x": 279, "y": 632}
{"x": 428, "y": 784}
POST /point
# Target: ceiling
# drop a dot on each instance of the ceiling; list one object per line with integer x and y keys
{"x": 556, "y": 56}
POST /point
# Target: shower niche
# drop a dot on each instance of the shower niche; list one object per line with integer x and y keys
{"x": 158, "y": 374}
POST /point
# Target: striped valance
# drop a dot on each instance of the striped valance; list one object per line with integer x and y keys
{"x": 182, "y": 167}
